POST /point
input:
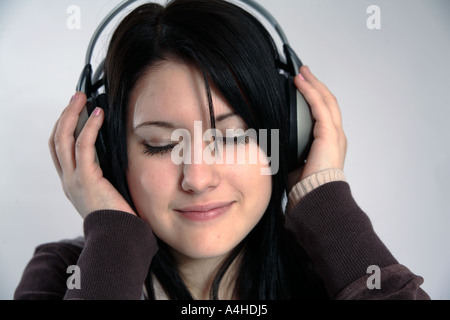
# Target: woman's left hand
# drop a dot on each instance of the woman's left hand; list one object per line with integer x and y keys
{"x": 330, "y": 143}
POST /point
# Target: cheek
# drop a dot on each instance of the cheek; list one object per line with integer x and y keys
{"x": 251, "y": 175}
{"x": 258, "y": 186}
{"x": 255, "y": 187}
{"x": 151, "y": 186}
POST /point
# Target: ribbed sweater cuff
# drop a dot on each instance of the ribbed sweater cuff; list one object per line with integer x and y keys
{"x": 337, "y": 235}
{"x": 116, "y": 256}
{"x": 308, "y": 184}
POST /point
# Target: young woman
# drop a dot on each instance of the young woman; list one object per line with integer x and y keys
{"x": 195, "y": 230}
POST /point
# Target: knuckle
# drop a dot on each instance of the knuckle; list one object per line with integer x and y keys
{"x": 339, "y": 134}
{"x": 57, "y": 142}
{"x": 80, "y": 145}
{"x": 55, "y": 139}
{"x": 51, "y": 142}
{"x": 331, "y": 98}
{"x": 59, "y": 139}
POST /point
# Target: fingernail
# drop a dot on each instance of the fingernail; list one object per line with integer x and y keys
{"x": 300, "y": 76}
{"x": 97, "y": 111}
{"x": 74, "y": 96}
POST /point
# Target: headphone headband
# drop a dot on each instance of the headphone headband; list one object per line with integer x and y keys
{"x": 251, "y": 3}
{"x": 300, "y": 118}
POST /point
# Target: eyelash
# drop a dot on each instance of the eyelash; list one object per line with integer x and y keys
{"x": 153, "y": 151}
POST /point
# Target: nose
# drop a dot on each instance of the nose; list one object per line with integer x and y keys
{"x": 198, "y": 178}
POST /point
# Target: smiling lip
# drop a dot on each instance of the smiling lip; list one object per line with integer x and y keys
{"x": 205, "y": 212}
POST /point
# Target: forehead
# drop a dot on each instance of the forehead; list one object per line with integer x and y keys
{"x": 173, "y": 90}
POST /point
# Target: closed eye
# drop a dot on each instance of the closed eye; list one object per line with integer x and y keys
{"x": 157, "y": 150}
{"x": 161, "y": 150}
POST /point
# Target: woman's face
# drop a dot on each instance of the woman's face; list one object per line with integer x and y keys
{"x": 201, "y": 210}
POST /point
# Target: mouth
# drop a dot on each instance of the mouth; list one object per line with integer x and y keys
{"x": 205, "y": 212}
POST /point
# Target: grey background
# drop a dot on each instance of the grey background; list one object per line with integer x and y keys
{"x": 392, "y": 86}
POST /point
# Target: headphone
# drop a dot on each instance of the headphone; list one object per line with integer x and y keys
{"x": 301, "y": 122}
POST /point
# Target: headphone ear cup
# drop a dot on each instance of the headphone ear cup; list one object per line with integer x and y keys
{"x": 292, "y": 118}
{"x": 301, "y": 124}
{"x": 305, "y": 126}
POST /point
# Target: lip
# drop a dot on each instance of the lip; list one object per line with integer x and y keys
{"x": 205, "y": 212}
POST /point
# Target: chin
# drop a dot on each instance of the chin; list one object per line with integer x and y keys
{"x": 205, "y": 249}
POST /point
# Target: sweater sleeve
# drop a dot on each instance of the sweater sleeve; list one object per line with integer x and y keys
{"x": 113, "y": 261}
{"x": 116, "y": 257}
{"x": 339, "y": 238}
{"x": 45, "y": 275}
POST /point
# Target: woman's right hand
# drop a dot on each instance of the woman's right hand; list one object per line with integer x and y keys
{"x": 81, "y": 176}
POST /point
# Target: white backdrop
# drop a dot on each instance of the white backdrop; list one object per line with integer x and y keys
{"x": 392, "y": 85}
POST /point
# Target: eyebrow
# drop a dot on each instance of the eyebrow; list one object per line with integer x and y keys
{"x": 168, "y": 125}
{"x": 161, "y": 124}
{"x": 224, "y": 116}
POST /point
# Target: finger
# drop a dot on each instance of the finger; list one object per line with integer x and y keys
{"x": 85, "y": 145}
{"x": 51, "y": 146}
{"x": 319, "y": 109}
{"x": 329, "y": 99}
{"x": 64, "y": 141}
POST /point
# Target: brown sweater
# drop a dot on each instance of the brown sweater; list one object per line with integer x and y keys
{"x": 118, "y": 249}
